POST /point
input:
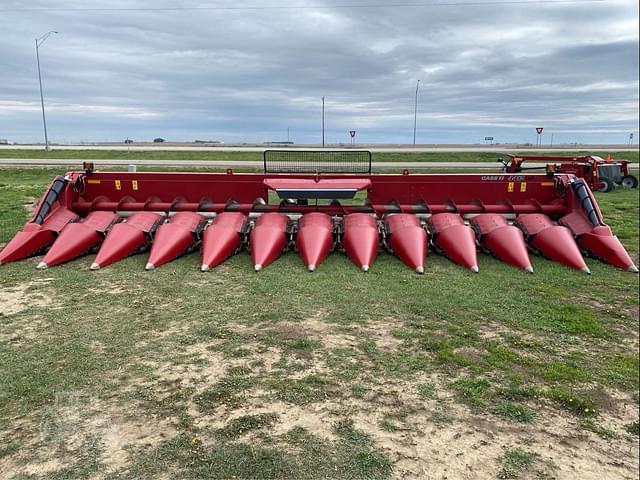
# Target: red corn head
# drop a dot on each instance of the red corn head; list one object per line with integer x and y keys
{"x": 503, "y": 240}
{"x": 603, "y": 244}
{"x": 454, "y": 239}
{"x": 35, "y": 238}
{"x": 268, "y": 239}
{"x": 361, "y": 239}
{"x": 76, "y": 239}
{"x": 222, "y": 239}
{"x": 314, "y": 239}
{"x": 175, "y": 238}
{"x": 127, "y": 238}
{"x": 407, "y": 239}
{"x": 554, "y": 241}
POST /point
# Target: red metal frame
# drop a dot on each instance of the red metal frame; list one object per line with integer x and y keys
{"x": 564, "y": 198}
{"x": 389, "y": 193}
{"x": 585, "y": 167}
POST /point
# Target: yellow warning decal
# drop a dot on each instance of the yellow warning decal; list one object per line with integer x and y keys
{"x": 93, "y": 182}
{"x": 547, "y": 184}
{"x": 510, "y": 187}
{"x": 523, "y": 187}
{"x": 134, "y": 184}
{"x": 118, "y": 185}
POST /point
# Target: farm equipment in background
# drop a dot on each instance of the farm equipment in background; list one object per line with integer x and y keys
{"x": 601, "y": 175}
{"x": 316, "y": 203}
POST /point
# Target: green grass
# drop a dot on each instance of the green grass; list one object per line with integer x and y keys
{"x": 246, "y": 423}
{"x": 257, "y": 156}
{"x": 515, "y": 462}
{"x": 199, "y": 352}
{"x": 603, "y": 432}
{"x": 633, "y": 428}
{"x": 514, "y": 412}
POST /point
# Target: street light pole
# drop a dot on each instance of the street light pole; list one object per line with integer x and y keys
{"x": 322, "y": 122}
{"x": 415, "y": 113}
{"x": 39, "y": 42}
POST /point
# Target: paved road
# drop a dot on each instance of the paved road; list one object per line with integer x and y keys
{"x": 372, "y": 148}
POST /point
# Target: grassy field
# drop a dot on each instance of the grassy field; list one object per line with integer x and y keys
{"x": 257, "y": 156}
{"x": 123, "y": 373}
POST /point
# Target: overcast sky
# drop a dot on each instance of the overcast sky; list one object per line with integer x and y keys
{"x": 486, "y": 69}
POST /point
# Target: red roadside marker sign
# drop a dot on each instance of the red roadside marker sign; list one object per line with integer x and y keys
{"x": 539, "y": 130}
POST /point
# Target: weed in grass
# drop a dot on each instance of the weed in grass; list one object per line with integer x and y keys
{"x": 303, "y": 344}
{"x": 573, "y": 402}
{"x": 515, "y": 462}
{"x": 441, "y": 416}
{"x": 214, "y": 330}
{"x": 239, "y": 426}
{"x": 238, "y": 371}
{"x": 513, "y": 411}
{"x": 590, "y": 425}
{"x": 347, "y": 431}
{"x": 358, "y": 390}
{"x": 240, "y": 352}
{"x": 368, "y": 460}
{"x": 559, "y": 371}
{"x": 344, "y": 364}
{"x": 427, "y": 391}
{"x": 353, "y": 456}
{"x": 445, "y": 354}
{"x": 633, "y": 428}
{"x": 309, "y": 389}
{"x": 518, "y": 392}
{"x": 501, "y": 356}
{"x": 395, "y": 363}
{"x": 621, "y": 371}
{"x": 475, "y": 392}
{"x": 228, "y": 391}
{"x": 369, "y": 347}
{"x": 387, "y": 425}
{"x": 8, "y": 448}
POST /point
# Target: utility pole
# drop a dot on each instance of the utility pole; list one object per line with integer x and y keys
{"x": 322, "y": 122}
{"x": 288, "y": 135}
{"x": 415, "y": 113}
{"x": 39, "y": 42}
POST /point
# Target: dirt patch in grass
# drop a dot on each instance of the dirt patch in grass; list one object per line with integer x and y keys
{"x": 116, "y": 434}
{"x": 76, "y": 429}
{"x": 329, "y": 334}
{"x": 18, "y": 298}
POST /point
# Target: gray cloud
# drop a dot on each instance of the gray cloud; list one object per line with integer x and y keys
{"x": 248, "y": 75}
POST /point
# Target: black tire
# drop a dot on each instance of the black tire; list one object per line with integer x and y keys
{"x": 607, "y": 184}
{"x": 629, "y": 181}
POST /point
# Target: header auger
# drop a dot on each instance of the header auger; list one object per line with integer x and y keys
{"x": 118, "y": 214}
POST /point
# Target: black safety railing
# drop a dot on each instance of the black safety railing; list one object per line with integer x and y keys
{"x": 313, "y": 161}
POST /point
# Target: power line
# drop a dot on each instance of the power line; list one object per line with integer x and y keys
{"x": 302, "y": 7}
